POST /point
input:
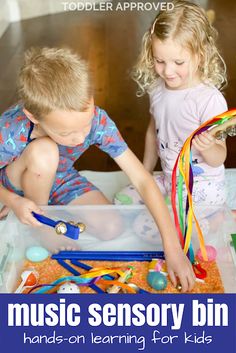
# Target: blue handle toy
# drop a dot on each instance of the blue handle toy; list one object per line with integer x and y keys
{"x": 69, "y": 229}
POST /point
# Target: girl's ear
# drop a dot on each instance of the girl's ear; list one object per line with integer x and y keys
{"x": 30, "y": 116}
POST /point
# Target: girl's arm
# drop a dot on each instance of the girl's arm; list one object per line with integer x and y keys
{"x": 213, "y": 151}
{"x": 177, "y": 263}
{"x": 150, "y": 150}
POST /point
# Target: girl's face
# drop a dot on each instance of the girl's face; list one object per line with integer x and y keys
{"x": 173, "y": 63}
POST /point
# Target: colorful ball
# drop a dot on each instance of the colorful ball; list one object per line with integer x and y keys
{"x": 211, "y": 253}
{"x": 157, "y": 280}
{"x": 68, "y": 288}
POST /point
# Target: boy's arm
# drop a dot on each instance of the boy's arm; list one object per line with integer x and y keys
{"x": 177, "y": 263}
{"x": 14, "y": 130}
{"x": 150, "y": 151}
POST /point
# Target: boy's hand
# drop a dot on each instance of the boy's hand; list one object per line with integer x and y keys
{"x": 180, "y": 269}
{"x": 203, "y": 141}
{"x": 23, "y": 208}
{"x": 4, "y": 212}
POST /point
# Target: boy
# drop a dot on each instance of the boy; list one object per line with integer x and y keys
{"x": 53, "y": 125}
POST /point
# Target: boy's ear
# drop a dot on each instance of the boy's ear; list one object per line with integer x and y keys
{"x": 30, "y": 116}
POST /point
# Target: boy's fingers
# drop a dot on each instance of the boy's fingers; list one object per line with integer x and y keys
{"x": 40, "y": 211}
{"x": 31, "y": 220}
{"x": 4, "y": 209}
{"x": 35, "y": 208}
{"x": 4, "y": 212}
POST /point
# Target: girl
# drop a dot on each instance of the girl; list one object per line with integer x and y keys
{"x": 181, "y": 69}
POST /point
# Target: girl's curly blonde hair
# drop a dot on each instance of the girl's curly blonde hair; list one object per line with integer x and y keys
{"x": 188, "y": 24}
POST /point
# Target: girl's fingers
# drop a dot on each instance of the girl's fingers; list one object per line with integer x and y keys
{"x": 202, "y": 142}
{"x": 206, "y": 138}
{"x": 198, "y": 144}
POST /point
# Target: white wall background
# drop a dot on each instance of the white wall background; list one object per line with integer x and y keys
{"x": 16, "y": 10}
{"x": 23, "y": 9}
{"x": 4, "y": 16}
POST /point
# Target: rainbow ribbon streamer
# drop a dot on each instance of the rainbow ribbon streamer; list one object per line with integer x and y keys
{"x": 184, "y": 176}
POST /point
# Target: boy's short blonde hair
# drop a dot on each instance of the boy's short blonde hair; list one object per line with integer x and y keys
{"x": 54, "y": 79}
{"x": 188, "y": 25}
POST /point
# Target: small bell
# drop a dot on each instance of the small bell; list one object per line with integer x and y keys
{"x": 221, "y": 135}
{"x": 179, "y": 287}
{"x": 61, "y": 228}
{"x": 231, "y": 130}
{"x": 80, "y": 225}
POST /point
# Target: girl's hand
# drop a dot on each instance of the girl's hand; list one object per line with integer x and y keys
{"x": 23, "y": 208}
{"x": 180, "y": 269}
{"x": 203, "y": 141}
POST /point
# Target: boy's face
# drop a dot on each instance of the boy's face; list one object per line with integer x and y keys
{"x": 68, "y": 128}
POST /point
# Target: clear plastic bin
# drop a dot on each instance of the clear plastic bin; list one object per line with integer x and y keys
{"x": 111, "y": 228}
